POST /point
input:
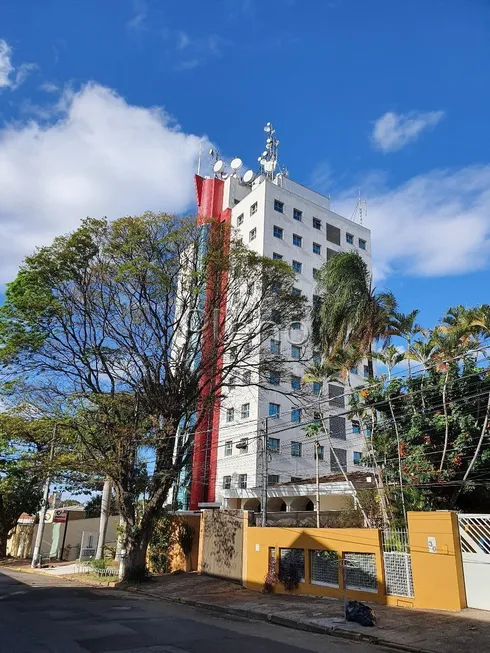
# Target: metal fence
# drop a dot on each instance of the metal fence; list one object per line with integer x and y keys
{"x": 360, "y": 572}
{"x": 397, "y": 563}
{"x": 87, "y": 568}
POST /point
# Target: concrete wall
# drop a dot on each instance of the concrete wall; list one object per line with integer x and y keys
{"x": 437, "y": 577}
{"x": 355, "y": 540}
{"x": 221, "y": 543}
{"x": 54, "y": 534}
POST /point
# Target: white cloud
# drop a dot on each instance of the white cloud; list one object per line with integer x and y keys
{"x": 9, "y": 76}
{"x": 393, "y": 131}
{"x": 436, "y": 224}
{"x": 6, "y": 68}
{"x": 49, "y": 87}
{"x": 97, "y": 155}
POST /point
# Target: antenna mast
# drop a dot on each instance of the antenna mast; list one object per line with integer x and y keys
{"x": 360, "y": 212}
{"x": 268, "y": 158}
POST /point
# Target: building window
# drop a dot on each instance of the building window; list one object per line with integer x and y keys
{"x": 353, "y": 369}
{"x": 226, "y": 482}
{"x": 368, "y": 432}
{"x": 232, "y": 383}
{"x": 316, "y": 358}
{"x": 295, "y": 352}
{"x": 316, "y": 273}
{"x": 292, "y": 563}
{"x": 243, "y": 445}
{"x": 349, "y": 238}
{"x": 273, "y": 445}
{"x": 317, "y": 223}
{"x": 247, "y": 377}
{"x": 297, "y": 266}
{"x": 276, "y": 316}
{"x": 296, "y": 292}
{"x": 278, "y": 232}
{"x": 273, "y": 479}
{"x": 278, "y": 206}
{"x": 366, "y": 371}
{"x": 274, "y": 379}
{"x": 296, "y": 383}
{"x": 274, "y": 410}
{"x": 342, "y": 458}
{"x": 356, "y": 427}
{"x": 230, "y": 414}
{"x": 295, "y": 326}
{"x": 229, "y": 448}
{"x": 275, "y": 346}
{"x": 297, "y": 240}
{"x": 331, "y": 253}
{"x": 242, "y": 481}
{"x": 253, "y": 208}
{"x": 333, "y": 234}
{"x": 276, "y": 256}
{"x": 321, "y": 452}
{"x": 245, "y": 411}
{"x": 252, "y": 235}
{"x": 336, "y": 395}
{"x": 297, "y": 215}
{"x": 317, "y": 387}
{"x": 362, "y": 244}
{"x": 296, "y": 415}
{"x": 296, "y": 448}
{"x": 337, "y": 427}
{"x": 317, "y": 248}
{"x": 357, "y": 457}
{"x": 239, "y": 220}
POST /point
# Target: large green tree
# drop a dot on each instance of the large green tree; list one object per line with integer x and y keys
{"x": 126, "y": 324}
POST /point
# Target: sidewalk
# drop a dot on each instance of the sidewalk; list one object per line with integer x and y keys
{"x": 398, "y": 628}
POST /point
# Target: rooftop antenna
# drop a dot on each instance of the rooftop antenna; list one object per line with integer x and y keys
{"x": 268, "y": 158}
{"x": 361, "y": 208}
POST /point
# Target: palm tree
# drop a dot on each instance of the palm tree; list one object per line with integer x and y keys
{"x": 480, "y": 324}
{"x": 351, "y": 312}
{"x": 390, "y": 356}
{"x": 405, "y": 326}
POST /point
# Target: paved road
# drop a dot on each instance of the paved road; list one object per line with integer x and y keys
{"x": 42, "y": 614}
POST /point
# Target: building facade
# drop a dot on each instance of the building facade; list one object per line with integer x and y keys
{"x": 281, "y": 219}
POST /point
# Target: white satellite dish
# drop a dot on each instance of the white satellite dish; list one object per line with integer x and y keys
{"x": 263, "y": 162}
{"x": 248, "y": 177}
{"x": 267, "y": 128}
{"x": 218, "y": 166}
{"x": 236, "y": 164}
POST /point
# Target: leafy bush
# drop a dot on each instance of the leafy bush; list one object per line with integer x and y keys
{"x": 269, "y": 582}
{"x": 292, "y": 569}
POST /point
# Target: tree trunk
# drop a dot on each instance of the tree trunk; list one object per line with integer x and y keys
{"x": 459, "y": 489}
{"x": 446, "y": 418}
{"x": 3, "y": 545}
{"x": 135, "y": 559}
{"x": 400, "y": 475}
{"x": 105, "y": 509}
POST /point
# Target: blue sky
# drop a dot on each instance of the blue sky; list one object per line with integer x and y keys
{"x": 103, "y": 105}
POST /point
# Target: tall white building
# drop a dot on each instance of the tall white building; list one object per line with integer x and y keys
{"x": 280, "y": 218}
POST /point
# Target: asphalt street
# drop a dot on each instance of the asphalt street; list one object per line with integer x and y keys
{"x": 42, "y": 614}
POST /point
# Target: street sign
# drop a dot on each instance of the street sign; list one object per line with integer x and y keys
{"x": 59, "y": 517}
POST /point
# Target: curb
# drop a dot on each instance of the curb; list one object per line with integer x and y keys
{"x": 287, "y": 623}
{"x": 71, "y": 577}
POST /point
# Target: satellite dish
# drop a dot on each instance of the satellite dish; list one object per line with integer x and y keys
{"x": 265, "y": 153}
{"x": 218, "y": 166}
{"x": 248, "y": 176}
{"x": 267, "y": 128}
{"x": 236, "y": 164}
{"x": 263, "y": 162}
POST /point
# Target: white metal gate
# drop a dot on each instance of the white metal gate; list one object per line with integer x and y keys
{"x": 474, "y": 534}
{"x": 397, "y": 563}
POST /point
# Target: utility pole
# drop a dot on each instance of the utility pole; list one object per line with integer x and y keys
{"x": 36, "y": 556}
{"x": 105, "y": 509}
{"x": 317, "y": 470}
{"x": 265, "y": 468}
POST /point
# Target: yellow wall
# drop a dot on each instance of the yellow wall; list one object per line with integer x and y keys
{"x": 437, "y": 577}
{"x": 177, "y": 561}
{"x": 359, "y": 540}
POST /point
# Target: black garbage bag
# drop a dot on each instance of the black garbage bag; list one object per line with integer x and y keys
{"x": 360, "y": 613}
